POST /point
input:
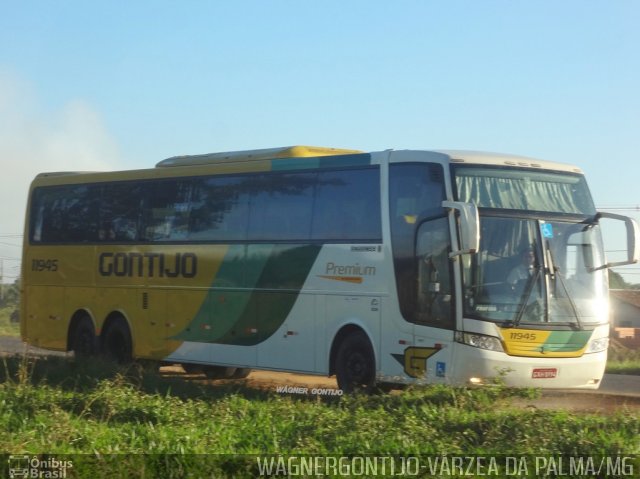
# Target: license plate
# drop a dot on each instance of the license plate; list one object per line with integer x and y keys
{"x": 544, "y": 373}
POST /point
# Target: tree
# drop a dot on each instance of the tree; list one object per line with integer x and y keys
{"x": 616, "y": 281}
{"x": 11, "y": 295}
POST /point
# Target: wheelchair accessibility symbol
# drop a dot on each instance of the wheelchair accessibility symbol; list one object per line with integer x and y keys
{"x": 547, "y": 230}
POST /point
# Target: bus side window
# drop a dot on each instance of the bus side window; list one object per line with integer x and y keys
{"x": 64, "y": 214}
{"x": 281, "y": 206}
{"x": 347, "y": 206}
{"x": 168, "y": 211}
{"x": 121, "y": 211}
{"x": 219, "y": 209}
{"x": 416, "y": 191}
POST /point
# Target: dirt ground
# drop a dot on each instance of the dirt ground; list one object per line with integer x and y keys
{"x": 572, "y": 401}
{"x": 265, "y": 380}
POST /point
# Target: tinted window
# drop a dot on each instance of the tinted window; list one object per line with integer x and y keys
{"x": 121, "y": 212}
{"x": 167, "y": 215}
{"x": 347, "y": 205}
{"x": 341, "y": 205}
{"x": 416, "y": 192}
{"x": 434, "y": 285}
{"x": 220, "y": 209}
{"x": 282, "y": 206}
{"x": 64, "y": 213}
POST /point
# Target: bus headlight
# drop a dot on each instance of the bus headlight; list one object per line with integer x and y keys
{"x": 597, "y": 345}
{"x": 481, "y": 341}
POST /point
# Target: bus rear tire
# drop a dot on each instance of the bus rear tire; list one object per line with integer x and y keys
{"x": 117, "y": 344}
{"x": 83, "y": 339}
{"x": 355, "y": 364}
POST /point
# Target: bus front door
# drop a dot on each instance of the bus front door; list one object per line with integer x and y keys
{"x": 434, "y": 319}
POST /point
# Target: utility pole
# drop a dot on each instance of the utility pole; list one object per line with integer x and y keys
{"x": 1, "y": 280}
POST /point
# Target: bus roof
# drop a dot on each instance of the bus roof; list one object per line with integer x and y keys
{"x": 454, "y": 156}
{"x": 255, "y": 155}
{"x": 227, "y": 159}
{"x": 500, "y": 159}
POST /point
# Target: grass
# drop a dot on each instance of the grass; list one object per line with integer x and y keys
{"x": 7, "y": 328}
{"x": 623, "y": 360}
{"x": 624, "y": 367}
{"x": 58, "y": 406}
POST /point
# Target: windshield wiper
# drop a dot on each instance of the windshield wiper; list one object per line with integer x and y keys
{"x": 555, "y": 274}
{"x": 523, "y": 305}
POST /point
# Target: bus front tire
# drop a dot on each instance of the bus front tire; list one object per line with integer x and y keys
{"x": 241, "y": 373}
{"x": 218, "y": 372}
{"x": 355, "y": 364}
{"x": 117, "y": 345}
{"x": 191, "y": 368}
{"x": 84, "y": 339}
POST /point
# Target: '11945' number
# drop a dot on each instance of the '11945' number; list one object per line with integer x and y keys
{"x": 44, "y": 265}
{"x": 523, "y": 336}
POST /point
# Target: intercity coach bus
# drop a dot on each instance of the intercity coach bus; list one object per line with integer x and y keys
{"x": 387, "y": 267}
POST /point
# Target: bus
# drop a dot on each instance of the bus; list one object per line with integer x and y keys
{"x": 392, "y": 267}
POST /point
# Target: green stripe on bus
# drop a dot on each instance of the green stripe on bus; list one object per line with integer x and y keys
{"x": 229, "y": 295}
{"x": 338, "y": 161}
{"x": 276, "y": 292}
{"x": 252, "y": 294}
{"x": 566, "y": 341}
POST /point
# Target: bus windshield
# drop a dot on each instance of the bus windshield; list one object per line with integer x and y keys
{"x": 532, "y": 271}
{"x": 524, "y": 189}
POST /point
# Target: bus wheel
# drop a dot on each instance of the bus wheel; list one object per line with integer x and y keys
{"x": 218, "y": 372}
{"x": 191, "y": 368}
{"x": 83, "y": 340}
{"x": 241, "y": 373}
{"x": 117, "y": 342}
{"x": 355, "y": 364}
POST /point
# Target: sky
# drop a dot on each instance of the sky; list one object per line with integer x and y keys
{"x": 107, "y": 85}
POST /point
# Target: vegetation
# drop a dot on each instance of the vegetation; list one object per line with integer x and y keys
{"x": 10, "y": 295}
{"x": 623, "y": 360}
{"x": 8, "y": 327}
{"x": 58, "y": 406}
{"x": 617, "y": 281}
{"x": 9, "y": 304}
{"x": 624, "y": 367}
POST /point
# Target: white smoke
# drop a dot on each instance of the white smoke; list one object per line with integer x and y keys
{"x": 34, "y": 140}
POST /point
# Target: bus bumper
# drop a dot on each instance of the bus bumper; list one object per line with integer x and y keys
{"x": 474, "y": 366}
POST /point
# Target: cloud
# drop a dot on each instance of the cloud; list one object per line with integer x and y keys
{"x": 34, "y": 140}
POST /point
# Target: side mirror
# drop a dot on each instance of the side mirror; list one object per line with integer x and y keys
{"x": 468, "y": 226}
{"x": 632, "y": 234}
